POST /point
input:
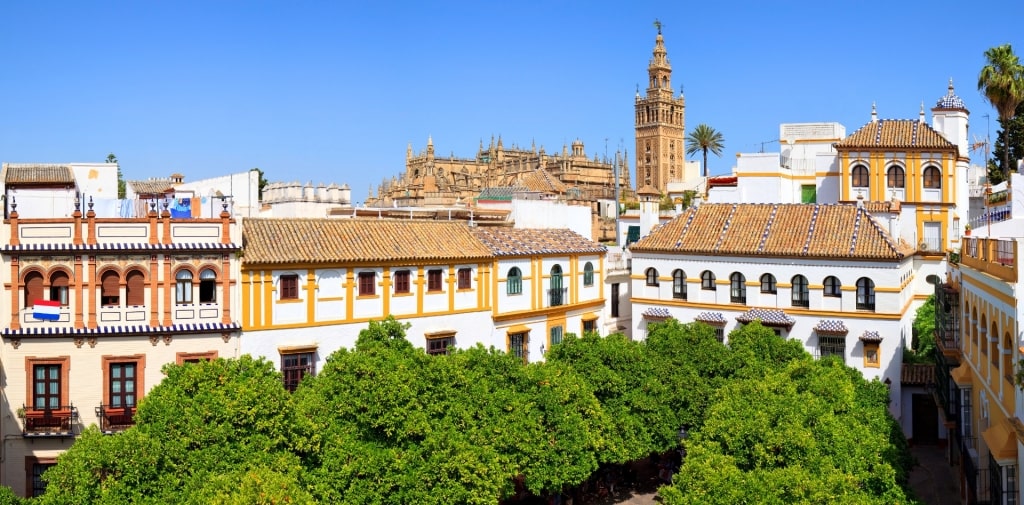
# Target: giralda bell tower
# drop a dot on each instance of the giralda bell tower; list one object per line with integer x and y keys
{"x": 660, "y": 124}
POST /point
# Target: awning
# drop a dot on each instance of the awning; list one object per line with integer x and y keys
{"x": 831, "y": 326}
{"x": 713, "y": 318}
{"x": 656, "y": 313}
{"x": 767, "y": 317}
{"x": 871, "y": 336}
{"x": 1001, "y": 441}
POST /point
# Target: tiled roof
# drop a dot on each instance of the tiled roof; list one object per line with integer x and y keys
{"x": 896, "y": 133}
{"x": 831, "y": 326}
{"x": 767, "y": 317}
{"x": 120, "y": 330}
{"x": 294, "y": 240}
{"x": 918, "y": 374}
{"x": 710, "y": 318}
{"x": 151, "y": 186}
{"x": 871, "y": 336}
{"x": 950, "y": 101}
{"x": 656, "y": 313}
{"x": 542, "y": 181}
{"x": 803, "y": 230}
{"x": 37, "y": 173}
{"x": 528, "y": 241}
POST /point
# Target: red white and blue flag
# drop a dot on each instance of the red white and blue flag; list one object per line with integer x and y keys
{"x": 46, "y": 309}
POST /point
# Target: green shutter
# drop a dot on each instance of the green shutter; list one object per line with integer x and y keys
{"x": 808, "y": 194}
{"x": 633, "y": 234}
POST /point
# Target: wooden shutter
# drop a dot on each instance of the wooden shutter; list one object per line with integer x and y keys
{"x": 136, "y": 283}
{"x": 110, "y": 288}
{"x": 33, "y": 288}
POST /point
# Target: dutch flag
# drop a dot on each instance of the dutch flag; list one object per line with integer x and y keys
{"x": 46, "y": 309}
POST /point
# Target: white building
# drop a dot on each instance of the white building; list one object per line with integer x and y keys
{"x": 829, "y": 276}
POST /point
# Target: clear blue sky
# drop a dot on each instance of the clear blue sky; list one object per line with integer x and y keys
{"x": 328, "y": 91}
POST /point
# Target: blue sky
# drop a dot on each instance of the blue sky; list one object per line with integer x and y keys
{"x": 328, "y": 91}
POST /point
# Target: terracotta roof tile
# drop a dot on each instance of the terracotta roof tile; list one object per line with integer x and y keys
{"x": 37, "y": 173}
{"x": 807, "y": 230}
{"x": 918, "y": 374}
{"x": 528, "y": 242}
{"x": 284, "y": 240}
{"x": 543, "y": 182}
{"x": 152, "y": 186}
{"x": 896, "y": 133}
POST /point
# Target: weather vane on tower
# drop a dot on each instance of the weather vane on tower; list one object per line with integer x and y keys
{"x": 657, "y": 24}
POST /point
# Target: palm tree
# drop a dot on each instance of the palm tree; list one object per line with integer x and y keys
{"x": 704, "y": 138}
{"x": 1002, "y": 83}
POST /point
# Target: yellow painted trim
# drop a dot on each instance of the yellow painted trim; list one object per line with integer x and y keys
{"x": 331, "y": 299}
{"x": 310, "y": 289}
{"x": 340, "y": 322}
{"x": 506, "y": 316}
{"x": 285, "y": 302}
{"x": 367, "y": 297}
{"x": 385, "y": 289}
{"x": 1002, "y": 297}
{"x": 593, "y": 316}
{"x": 877, "y": 363}
{"x": 268, "y": 297}
{"x": 519, "y": 328}
{"x": 552, "y": 323}
{"x": 433, "y": 335}
{"x": 247, "y": 309}
{"x": 349, "y": 289}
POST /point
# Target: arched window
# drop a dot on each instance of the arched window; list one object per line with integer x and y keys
{"x": 707, "y": 280}
{"x": 768, "y": 284}
{"x": 832, "y": 287}
{"x": 800, "y": 296}
{"x": 135, "y": 287}
{"x": 588, "y": 274}
{"x": 110, "y": 289}
{"x": 993, "y": 342}
{"x": 865, "y": 294}
{"x": 895, "y": 177}
{"x": 679, "y": 284}
{"x": 859, "y": 176}
{"x": 652, "y": 277}
{"x": 59, "y": 287}
{"x": 514, "y": 281}
{"x": 183, "y": 287}
{"x": 207, "y": 286}
{"x": 557, "y": 292}
{"x": 932, "y": 178}
{"x": 1007, "y": 355}
{"x": 33, "y": 288}
{"x": 737, "y": 288}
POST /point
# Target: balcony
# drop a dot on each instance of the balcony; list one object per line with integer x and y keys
{"x": 56, "y": 422}
{"x": 558, "y": 296}
{"x": 114, "y": 420}
{"x": 993, "y": 256}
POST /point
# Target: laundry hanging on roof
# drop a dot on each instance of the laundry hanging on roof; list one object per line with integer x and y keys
{"x": 181, "y": 208}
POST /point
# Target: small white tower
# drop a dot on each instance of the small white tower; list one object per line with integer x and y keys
{"x": 949, "y": 118}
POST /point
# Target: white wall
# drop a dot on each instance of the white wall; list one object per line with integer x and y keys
{"x": 552, "y": 214}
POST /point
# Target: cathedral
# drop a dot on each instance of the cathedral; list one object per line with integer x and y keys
{"x": 430, "y": 180}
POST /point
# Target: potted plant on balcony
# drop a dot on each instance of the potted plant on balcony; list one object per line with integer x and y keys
{"x": 967, "y": 230}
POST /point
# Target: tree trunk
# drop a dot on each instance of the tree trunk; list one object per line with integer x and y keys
{"x": 1007, "y": 170}
{"x": 705, "y": 165}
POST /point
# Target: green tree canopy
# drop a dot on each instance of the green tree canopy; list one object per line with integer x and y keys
{"x": 702, "y": 139}
{"x": 1001, "y": 81}
{"x": 204, "y": 424}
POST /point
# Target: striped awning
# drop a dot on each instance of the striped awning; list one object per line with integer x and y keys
{"x": 871, "y": 336}
{"x": 767, "y": 317}
{"x": 715, "y": 318}
{"x": 831, "y": 326}
{"x": 656, "y": 313}
{"x": 118, "y": 330}
{"x": 124, "y": 246}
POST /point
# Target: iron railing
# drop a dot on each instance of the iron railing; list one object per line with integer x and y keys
{"x": 50, "y": 422}
{"x": 115, "y": 419}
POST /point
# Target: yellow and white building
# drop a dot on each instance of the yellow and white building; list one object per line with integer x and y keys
{"x": 310, "y": 285}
